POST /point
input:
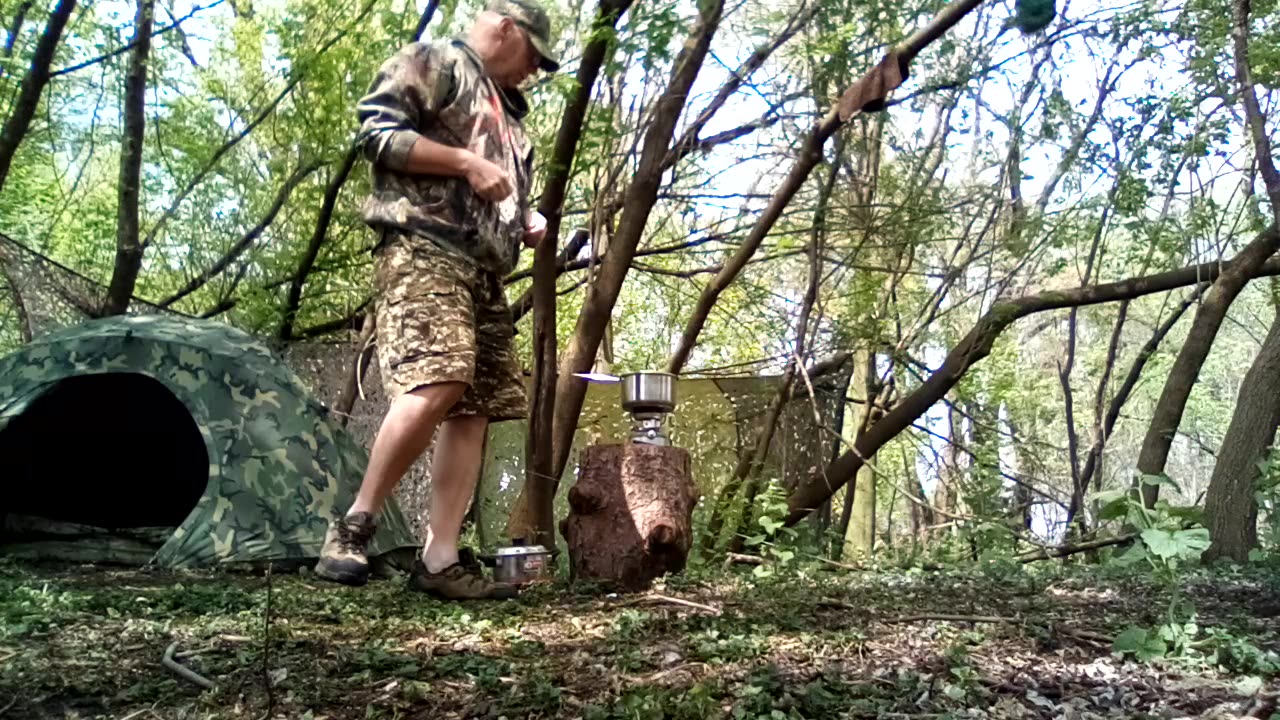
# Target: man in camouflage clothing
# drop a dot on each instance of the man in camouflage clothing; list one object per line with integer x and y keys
{"x": 442, "y": 128}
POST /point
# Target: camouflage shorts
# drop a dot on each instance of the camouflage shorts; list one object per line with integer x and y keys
{"x": 441, "y": 319}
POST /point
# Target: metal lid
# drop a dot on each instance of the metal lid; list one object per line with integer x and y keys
{"x": 520, "y": 550}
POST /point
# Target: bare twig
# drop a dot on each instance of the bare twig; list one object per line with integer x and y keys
{"x": 266, "y": 647}
{"x": 945, "y": 617}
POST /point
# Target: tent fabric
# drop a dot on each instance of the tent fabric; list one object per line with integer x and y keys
{"x": 279, "y": 465}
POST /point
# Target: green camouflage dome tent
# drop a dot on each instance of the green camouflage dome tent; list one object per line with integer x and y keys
{"x": 185, "y": 433}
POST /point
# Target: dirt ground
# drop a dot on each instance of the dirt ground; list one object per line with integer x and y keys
{"x": 809, "y": 642}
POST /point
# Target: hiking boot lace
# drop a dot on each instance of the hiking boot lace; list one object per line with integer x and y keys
{"x": 352, "y": 538}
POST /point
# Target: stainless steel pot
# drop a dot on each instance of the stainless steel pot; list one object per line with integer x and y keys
{"x": 649, "y": 392}
{"x": 519, "y": 564}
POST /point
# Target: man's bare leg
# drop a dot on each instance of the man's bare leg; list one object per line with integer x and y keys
{"x": 405, "y": 433}
{"x": 455, "y": 469}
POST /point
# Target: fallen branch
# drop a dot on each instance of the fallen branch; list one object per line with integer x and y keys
{"x": 1065, "y": 550}
{"x": 182, "y": 672}
{"x": 655, "y": 597}
{"x": 740, "y": 559}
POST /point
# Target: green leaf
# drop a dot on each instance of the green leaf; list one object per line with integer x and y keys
{"x": 1185, "y": 513}
{"x": 1161, "y": 543}
{"x": 1158, "y": 480}
{"x": 1130, "y": 641}
{"x": 1141, "y": 643}
{"x": 1136, "y": 553}
{"x": 1192, "y": 542}
{"x": 1152, "y": 649}
{"x": 1115, "y": 503}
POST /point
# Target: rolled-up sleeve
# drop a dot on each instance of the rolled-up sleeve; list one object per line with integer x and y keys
{"x": 402, "y": 97}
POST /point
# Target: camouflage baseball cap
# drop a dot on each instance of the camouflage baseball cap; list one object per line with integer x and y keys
{"x": 529, "y": 15}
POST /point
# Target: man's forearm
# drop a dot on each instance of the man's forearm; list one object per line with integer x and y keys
{"x": 428, "y": 157}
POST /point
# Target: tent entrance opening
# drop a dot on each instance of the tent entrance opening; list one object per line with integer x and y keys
{"x": 115, "y": 451}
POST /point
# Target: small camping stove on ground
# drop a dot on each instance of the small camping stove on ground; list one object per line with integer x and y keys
{"x": 649, "y": 397}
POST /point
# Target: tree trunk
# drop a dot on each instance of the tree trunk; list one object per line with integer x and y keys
{"x": 1230, "y": 508}
{"x": 293, "y": 301}
{"x": 540, "y": 472}
{"x": 641, "y": 195}
{"x": 630, "y": 515}
{"x": 128, "y": 247}
{"x": 860, "y": 533}
{"x": 1093, "y": 462}
{"x": 24, "y": 108}
{"x": 1186, "y": 368}
{"x": 533, "y": 515}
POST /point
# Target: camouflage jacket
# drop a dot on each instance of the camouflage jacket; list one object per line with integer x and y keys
{"x": 440, "y": 91}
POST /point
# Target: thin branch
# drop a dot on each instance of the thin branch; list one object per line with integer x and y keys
{"x": 352, "y": 321}
{"x": 229, "y": 145}
{"x": 1257, "y": 121}
{"x": 248, "y": 239}
{"x": 33, "y": 83}
{"x": 689, "y": 139}
{"x": 175, "y": 25}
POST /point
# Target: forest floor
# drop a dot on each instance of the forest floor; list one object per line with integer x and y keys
{"x": 81, "y": 642}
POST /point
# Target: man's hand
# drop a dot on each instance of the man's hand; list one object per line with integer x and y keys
{"x": 488, "y": 180}
{"x": 535, "y": 229}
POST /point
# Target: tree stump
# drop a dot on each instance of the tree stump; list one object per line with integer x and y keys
{"x": 630, "y": 515}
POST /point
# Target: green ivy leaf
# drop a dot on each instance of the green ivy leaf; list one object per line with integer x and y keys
{"x": 1130, "y": 641}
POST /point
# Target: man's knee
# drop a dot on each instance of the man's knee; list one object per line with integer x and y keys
{"x": 430, "y": 401}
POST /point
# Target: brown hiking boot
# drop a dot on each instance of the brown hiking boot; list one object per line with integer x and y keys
{"x": 458, "y": 582}
{"x": 344, "y": 557}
